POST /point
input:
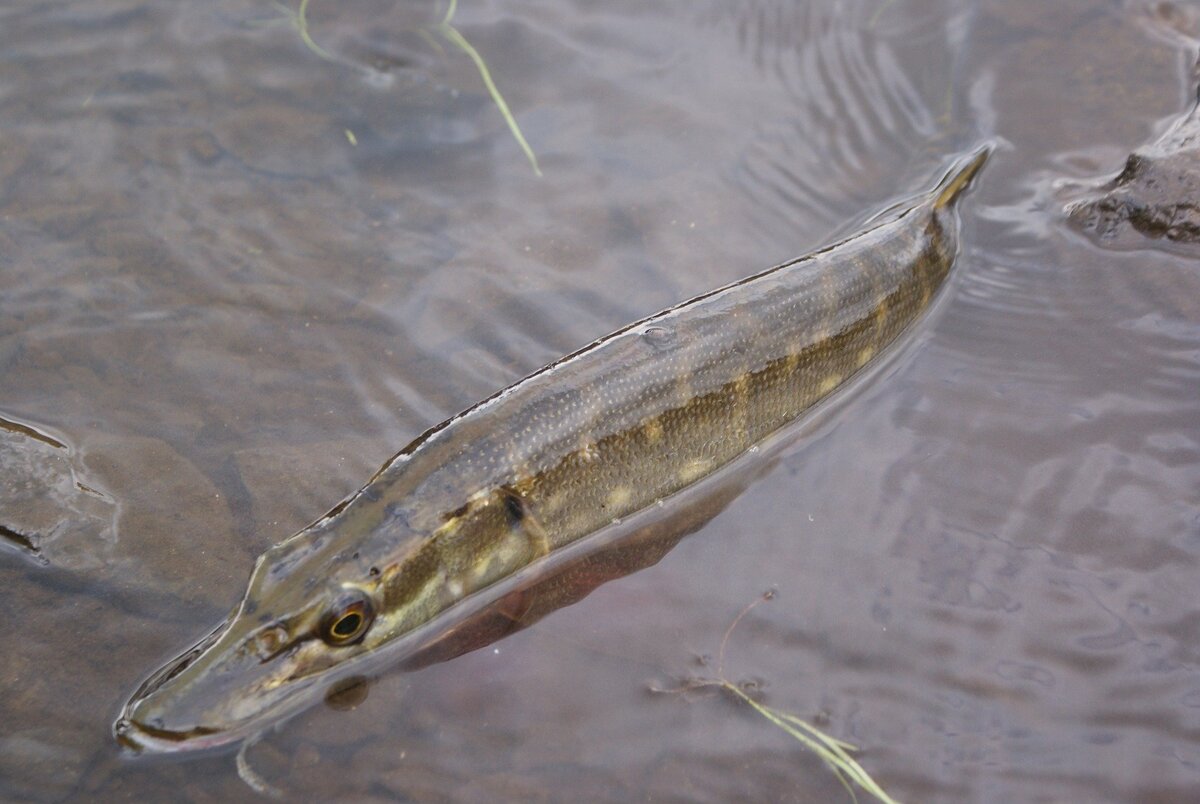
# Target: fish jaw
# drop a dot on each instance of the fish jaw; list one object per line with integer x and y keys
{"x": 273, "y": 655}
{"x": 256, "y": 668}
{"x": 216, "y": 693}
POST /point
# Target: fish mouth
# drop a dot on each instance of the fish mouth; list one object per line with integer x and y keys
{"x": 176, "y": 666}
{"x": 149, "y": 734}
{"x": 211, "y": 696}
{"x": 141, "y": 738}
{"x": 143, "y": 728}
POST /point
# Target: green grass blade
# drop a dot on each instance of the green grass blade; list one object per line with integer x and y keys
{"x": 458, "y": 40}
{"x": 433, "y": 43}
{"x": 302, "y": 25}
{"x": 832, "y": 751}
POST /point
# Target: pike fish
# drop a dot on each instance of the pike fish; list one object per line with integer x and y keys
{"x": 633, "y": 420}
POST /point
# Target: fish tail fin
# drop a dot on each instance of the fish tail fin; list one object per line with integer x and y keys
{"x": 960, "y": 176}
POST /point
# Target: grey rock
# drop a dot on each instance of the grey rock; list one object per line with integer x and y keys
{"x": 50, "y": 509}
{"x": 1156, "y": 195}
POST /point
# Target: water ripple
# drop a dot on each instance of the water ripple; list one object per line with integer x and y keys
{"x": 856, "y": 113}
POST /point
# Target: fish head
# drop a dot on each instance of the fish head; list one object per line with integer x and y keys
{"x": 313, "y": 605}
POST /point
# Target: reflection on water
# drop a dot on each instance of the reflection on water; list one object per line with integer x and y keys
{"x": 230, "y": 315}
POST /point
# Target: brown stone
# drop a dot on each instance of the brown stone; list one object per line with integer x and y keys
{"x": 174, "y": 525}
{"x": 50, "y": 509}
{"x": 1156, "y": 195}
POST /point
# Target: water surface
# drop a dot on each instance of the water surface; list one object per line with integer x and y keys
{"x": 237, "y": 274}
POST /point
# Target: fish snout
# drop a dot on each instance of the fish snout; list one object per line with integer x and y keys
{"x": 178, "y": 708}
{"x": 154, "y": 737}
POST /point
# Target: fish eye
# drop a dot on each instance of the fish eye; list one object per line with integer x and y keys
{"x": 347, "y": 619}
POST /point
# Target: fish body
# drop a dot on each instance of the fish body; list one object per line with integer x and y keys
{"x": 627, "y": 422}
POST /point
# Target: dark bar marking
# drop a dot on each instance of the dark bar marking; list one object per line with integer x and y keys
{"x": 514, "y": 506}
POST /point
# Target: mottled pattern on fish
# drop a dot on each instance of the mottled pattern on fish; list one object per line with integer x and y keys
{"x": 610, "y": 430}
{"x": 637, "y": 416}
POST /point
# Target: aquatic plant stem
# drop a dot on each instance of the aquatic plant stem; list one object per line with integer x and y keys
{"x": 832, "y": 751}
{"x": 298, "y": 19}
{"x": 302, "y": 24}
{"x": 446, "y": 29}
{"x": 879, "y": 12}
{"x": 433, "y": 43}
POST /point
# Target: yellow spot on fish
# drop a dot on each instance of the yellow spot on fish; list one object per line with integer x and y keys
{"x": 619, "y": 497}
{"x": 829, "y": 383}
{"x": 795, "y": 350}
{"x": 449, "y": 526}
{"x": 865, "y": 354}
{"x": 525, "y": 480}
{"x": 555, "y": 501}
{"x": 588, "y": 451}
{"x": 652, "y": 428}
{"x": 510, "y": 550}
{"x": 920, "y": 269}
{"x": 502, "y": 557}
{"x": 694, "y": 469}
{"x": 881, "y": 314}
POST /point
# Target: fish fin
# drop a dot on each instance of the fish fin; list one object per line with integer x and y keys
{"x": 960, "y": 176}
{"x": 515, "y": 607}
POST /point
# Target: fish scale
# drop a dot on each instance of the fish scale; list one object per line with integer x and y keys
{"x": 621, "y": 425}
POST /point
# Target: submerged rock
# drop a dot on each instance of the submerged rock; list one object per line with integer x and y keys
{"x": 1157, "y": 195}
{"x": 49, "y": 510}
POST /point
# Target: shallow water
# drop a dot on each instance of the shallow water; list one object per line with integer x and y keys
{"x": 220, "y": 312}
